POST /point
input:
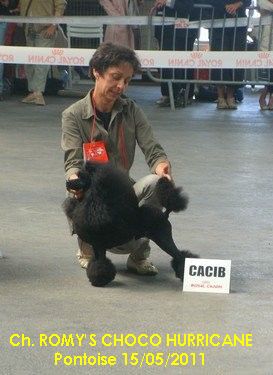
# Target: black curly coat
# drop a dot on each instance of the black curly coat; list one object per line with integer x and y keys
{"x": 109, "y": 216}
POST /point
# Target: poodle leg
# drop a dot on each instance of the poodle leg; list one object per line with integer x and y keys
{"x": 100, "y": 270}
{"x": 163, "y": 238}
{"x": 155, "y": 225}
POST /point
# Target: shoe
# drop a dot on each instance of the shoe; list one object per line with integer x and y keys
{"x": 222, "y": 104}
{"x": 178, "y": 102}
{"x": 39, "y": 99}
{"x": 162, "y": 100}
{"x": 141, "y": 267}
{"x": 29, "y": 98}
{"x": 165, "y": 103}
{"x": 231, "y": 103}
{"x": 83, "y": 259}
{"x": 263, "y": 106}
{"x": 34, "y": 98}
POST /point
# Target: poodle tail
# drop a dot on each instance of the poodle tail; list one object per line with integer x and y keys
{"x": 172, "y": 198}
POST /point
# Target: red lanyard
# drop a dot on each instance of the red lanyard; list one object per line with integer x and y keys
{"x": 122, "y": 148}
{"x": 121, "y": 137}
{"x": 94, "y": 118}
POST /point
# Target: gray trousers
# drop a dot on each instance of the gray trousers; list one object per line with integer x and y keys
{"x": 37, "y": 74}
{"x": 138, "y": 249}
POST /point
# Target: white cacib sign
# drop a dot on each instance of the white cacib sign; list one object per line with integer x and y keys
{"x": 207, "y": 275}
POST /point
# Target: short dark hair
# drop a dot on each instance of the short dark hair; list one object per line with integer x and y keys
{"x": 110, "y": 54}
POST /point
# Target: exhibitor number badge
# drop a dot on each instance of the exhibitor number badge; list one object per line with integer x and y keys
{"x": 95, "y": 151}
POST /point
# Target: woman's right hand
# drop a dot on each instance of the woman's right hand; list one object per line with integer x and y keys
{"x": 49, "y": 32}
{"x": 78, "y": 194}
{"x": 232, "y": 8}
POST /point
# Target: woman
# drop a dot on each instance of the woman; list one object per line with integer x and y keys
{"x": 266, "y": 44}
{"x": 110, "y": 124}
{"x": 228, "y": 39}
{"x": 125, "y": 35}
{"x": 171, "y": 38}
{"x": 39, "y": 35}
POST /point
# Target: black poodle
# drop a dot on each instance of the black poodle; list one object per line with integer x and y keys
{"x": 108, "y": 215}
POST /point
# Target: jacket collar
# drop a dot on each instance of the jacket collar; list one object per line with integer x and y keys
{"x": 88, "y": 111}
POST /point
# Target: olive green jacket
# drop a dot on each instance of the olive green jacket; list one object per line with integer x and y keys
{"x": 76, "y": 129}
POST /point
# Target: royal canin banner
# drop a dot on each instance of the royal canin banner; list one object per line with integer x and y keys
{"x": 148, "y": 59}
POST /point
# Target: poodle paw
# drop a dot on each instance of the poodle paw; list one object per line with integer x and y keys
{"x": 101, "y": 272}
{"x": 178, "y": 263}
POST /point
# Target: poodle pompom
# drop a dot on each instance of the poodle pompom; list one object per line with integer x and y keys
{"x": 101, "y": 272}
{"x": 171, "y": 197}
